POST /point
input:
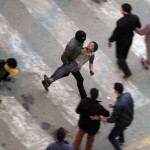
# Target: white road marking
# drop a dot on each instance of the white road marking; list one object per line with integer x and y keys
{"x": 58, "y": 24}
{"x": 22, "y": 125}
{"x": 32, "y": 62}
{"x": 148, "y": 1}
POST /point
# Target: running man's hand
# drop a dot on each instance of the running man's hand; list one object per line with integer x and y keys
{"x": 95, "y": 117}
{"x": 103, "y": 119}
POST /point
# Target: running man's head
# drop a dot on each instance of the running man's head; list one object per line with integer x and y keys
{"x": 80, "y": 36}
{"x": 92, "y": 46}
{"x": 126, "y": 8}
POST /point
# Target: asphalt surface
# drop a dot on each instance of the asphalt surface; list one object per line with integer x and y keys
{"x": 36, "y": 32}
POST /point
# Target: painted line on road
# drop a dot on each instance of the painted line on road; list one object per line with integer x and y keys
{"x": 148, "y": 1}
{"x": 22, "y": 125}
{"x": 32, "y": 62}
{"x": 58, "y": 24}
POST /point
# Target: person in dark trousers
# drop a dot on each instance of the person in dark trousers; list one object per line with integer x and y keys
{"x": 122, "y": 116}
{"x": 72, "y": 51}
{"x": 87, "y": 54}
{"x": 8, "y": 67}
{"x": 86, "y": 108}
{"x": 60, "y": 143}
{"x": 123, "y": 35}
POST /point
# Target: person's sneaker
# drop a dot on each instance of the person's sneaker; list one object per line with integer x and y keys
{"x": 45, "y": 84}
{"x": 48, "y": 80}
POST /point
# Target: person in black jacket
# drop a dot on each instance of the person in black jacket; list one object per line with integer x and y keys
{"x": 8, "y": 67}
{"x": 89, "y": 107}
{"x": 87, "y": 54}
{"x": 122, "y": 116}
{"x": 122, "y": 35}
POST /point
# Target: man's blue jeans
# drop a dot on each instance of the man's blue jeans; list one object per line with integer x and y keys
{"x": 116, "y": 132}
{"x": 62, "y": 70}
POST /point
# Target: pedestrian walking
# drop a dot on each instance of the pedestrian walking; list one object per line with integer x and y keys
{"x": 60, "y": 143}
{"x": 123, "y": 35}
{"x": 122, "y": 116}
{"x": 145, "y": 31}
{"x": 88, "y": 107}
{"x": 72, "y": 51}
{"x": 87, "y": 54}
{"x": 8, "y": 68}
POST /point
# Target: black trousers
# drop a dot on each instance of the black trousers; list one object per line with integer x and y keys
{"x": 78, "y": 76}
{"x": 116, "y": 132}
{"x": 122, "y": 49}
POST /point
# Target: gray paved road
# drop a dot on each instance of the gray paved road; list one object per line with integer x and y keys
{"x": 36, "y": 32}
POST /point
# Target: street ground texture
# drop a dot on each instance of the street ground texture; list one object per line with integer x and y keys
{"x": 36, "y": 33}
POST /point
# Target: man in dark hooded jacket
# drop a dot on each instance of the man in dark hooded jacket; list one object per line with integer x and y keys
{"x": 123, "y": 35}
{"x": 72, "y": 51}
{"x": 86, "y": 108}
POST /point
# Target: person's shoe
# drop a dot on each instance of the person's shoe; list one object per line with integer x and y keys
{"x": 127, "y": 76}
{"x": 144, "y": 64}
{"x": 45, "y": 84}
{"x": 48, "y": 80}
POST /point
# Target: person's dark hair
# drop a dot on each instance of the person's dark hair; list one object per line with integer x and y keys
{"x": 95, "y": 46}
{"x": 118, "y": 87}
{"x": 11, "y": 62}
{"x": 126, "y": 7}
{"x": 94, "y": 93}
{"x": 80, "y": 36}
{"x": 60, "y": 134}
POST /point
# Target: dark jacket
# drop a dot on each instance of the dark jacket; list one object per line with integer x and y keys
{"x": 123, "y": 111}
{"x": 72, "y": 51}
{"x": 3, "y": 73}
{"x": 125, "y": 27}
{"x": 86, "y": 108}
{"x": 60, "y": 146}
